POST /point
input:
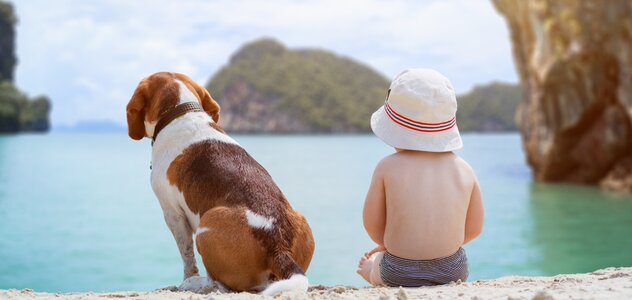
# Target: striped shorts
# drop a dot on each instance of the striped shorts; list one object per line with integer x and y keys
{"x": 397, "y": 271}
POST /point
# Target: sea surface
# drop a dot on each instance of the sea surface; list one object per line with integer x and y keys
{"x": 77, "y": 212}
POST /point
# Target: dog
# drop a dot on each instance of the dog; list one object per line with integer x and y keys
{"x": 249, "y": 236}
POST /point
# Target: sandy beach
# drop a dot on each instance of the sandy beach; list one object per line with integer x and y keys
{"x": 610, "y": 283}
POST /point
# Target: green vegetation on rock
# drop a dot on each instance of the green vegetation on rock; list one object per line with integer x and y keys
{"x": 269, "y": 88}
{"x": 7, "y": 41}
{"x": 490, "y": 107}
{"x": 17, "y": 111}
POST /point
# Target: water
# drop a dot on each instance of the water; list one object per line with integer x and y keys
{"x": 77, "y": 212}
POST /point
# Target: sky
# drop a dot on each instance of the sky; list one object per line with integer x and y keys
{"x": 88, "y": 56}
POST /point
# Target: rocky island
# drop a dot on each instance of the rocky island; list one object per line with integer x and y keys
{"x": 267, "y": 87}
{"x": 17, "y": 111}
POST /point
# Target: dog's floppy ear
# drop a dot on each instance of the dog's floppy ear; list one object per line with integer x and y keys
{"x": 136, "y": 113}
{"x": 208, "y": 103}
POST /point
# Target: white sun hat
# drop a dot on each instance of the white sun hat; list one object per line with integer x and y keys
{"x": 419, "y": 113}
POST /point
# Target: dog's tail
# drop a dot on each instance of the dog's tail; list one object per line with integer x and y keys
{"x": 292, "y": 276}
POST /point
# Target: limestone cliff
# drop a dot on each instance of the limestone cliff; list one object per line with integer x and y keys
{"x": 574, "y": 59}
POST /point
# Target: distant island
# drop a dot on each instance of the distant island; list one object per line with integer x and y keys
{"x": 489, "y": 108}
{"x": 18, "y": 112}
{"x": 268, "y": 88}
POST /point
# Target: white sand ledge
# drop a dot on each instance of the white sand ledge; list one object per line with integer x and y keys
{"x": 610, "y": 283}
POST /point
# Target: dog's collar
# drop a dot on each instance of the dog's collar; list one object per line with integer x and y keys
{"x": 173, "y": 113}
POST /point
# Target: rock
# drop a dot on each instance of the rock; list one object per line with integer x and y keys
{"x": 619, "y": 178}
{"x": 401, "y": 294}
{"x": 7, "y": 41}
{"x": 542, "y": 295}
{"x": 574, "y": 60}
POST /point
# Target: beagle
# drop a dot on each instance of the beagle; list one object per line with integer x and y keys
{"x": 246, "y": 231}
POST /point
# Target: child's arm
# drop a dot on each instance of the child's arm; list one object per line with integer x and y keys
{"x": 475, "y": 214}
{"x": 374, "y": 214}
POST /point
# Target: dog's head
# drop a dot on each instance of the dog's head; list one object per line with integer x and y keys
{"x": 158, "y": 93}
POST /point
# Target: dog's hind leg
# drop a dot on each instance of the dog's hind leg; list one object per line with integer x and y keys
{"x": 183, "y": 234}
{"x": 231, "y": 254}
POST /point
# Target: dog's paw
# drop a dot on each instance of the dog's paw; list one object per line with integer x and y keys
{"x": 198, "y": 284}
{"x": 220, "y": 287}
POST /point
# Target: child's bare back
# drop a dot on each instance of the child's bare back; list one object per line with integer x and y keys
{"x": 427, "y": 195}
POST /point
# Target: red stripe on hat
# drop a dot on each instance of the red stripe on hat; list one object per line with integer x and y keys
{"x": 417, "y": 122}
{"x": 421, "y": 130}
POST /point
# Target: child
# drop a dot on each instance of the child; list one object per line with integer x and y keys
{"x": 424, "y": 201}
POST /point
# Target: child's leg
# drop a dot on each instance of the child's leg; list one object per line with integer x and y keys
{"x": 369, "y": 268}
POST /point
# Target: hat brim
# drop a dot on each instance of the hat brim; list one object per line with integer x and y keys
{"x": 401, "y": 137}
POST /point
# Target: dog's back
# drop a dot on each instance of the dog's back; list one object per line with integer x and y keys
{"x": 248, "y": 230}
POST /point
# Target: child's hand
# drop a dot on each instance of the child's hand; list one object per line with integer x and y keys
{"x": 379, "y": 248}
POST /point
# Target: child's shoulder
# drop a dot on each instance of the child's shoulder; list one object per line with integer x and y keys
{"x": 389, "y": 162}
{"x": 461, "y": 161}
{"x": 464, "y": 165}
{"x": 392, "y": 159}
{"x": 398, "y": 159}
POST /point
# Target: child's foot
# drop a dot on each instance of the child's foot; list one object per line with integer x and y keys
{"x": 364, "y": 268}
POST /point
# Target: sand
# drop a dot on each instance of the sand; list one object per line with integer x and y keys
{"x": 610, "y": 283}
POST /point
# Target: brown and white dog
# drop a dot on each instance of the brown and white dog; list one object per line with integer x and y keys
{"x": 248, "y": 235}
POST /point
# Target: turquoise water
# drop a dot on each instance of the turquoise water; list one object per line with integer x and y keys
{"x": 77, "y": 212}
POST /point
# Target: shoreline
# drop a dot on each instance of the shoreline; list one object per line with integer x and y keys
{"x": 609, "y": 283}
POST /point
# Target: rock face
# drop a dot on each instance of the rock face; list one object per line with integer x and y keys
{"x": 574, "y": 59}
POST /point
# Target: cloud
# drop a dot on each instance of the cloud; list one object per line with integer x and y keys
{"x": 89, "y": 55}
